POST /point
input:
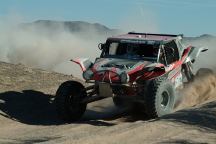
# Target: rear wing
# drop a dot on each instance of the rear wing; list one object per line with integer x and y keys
{"x": 170, "y": 35}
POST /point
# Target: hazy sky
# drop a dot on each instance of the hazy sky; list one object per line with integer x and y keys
{"x": 191, "y": 17}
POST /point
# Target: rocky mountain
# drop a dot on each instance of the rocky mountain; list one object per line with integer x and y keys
{"x": 71, "y": 26}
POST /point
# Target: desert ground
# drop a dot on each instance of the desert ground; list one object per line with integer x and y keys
{"x": 28, "y": 115}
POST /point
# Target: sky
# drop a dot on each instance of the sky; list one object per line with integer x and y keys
{"x": 189, "y": 17}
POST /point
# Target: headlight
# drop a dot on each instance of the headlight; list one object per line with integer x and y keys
{"x": 87, "y": 75}
{"x": 124, "y": 77}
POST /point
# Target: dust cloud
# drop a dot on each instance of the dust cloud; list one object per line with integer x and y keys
{"x": 200, "y": 91}
{"x": 203, "y": 88}
{"x": 205, "y": 59}
{"x": 48, "y": 47}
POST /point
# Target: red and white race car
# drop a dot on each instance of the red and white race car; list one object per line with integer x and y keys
{"x": 134, "y": 69}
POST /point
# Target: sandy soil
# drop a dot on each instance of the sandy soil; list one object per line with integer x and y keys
{"x": 27, "y": 114}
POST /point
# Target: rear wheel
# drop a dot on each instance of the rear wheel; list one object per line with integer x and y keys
{"x": 68, "y": 101}
{"x": 117, "y": 101}
{"x": 159, "y": 99}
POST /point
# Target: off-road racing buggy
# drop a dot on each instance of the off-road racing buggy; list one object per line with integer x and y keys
{"x": 134, "y": 69}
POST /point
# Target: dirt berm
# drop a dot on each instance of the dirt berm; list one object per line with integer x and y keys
{"x": 27, "y": 114}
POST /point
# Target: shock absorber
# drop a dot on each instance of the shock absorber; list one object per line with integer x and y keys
{"x": 188, "y": 71}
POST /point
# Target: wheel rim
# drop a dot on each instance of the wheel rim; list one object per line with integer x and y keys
{"x": 165, "y": 97}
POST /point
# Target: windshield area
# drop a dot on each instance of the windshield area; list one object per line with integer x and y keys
{"x": 130, "y": 50}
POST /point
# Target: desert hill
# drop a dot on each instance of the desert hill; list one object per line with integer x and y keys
{"x": 27, "y": 114}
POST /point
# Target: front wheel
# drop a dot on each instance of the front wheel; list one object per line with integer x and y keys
{"x": 160, "y": 98}
{"x": 68, "y": 101}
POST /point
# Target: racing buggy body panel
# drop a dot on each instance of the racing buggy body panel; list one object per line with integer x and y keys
{"x": 139, "y": 68}
{"x": 84, "y": 63}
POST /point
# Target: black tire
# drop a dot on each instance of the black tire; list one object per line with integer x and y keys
{"x": 159, "y": 98}
{"x": 68, "y": 101}
{"x": 118, "y": 101}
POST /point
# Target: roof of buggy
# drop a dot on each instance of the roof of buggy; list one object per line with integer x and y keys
{"x": 147, "y": 36}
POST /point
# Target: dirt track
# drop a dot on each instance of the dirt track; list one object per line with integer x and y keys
{"x": 27, "y": 114}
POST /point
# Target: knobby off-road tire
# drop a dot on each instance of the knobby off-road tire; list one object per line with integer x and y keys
{"x": 159, "y": 98}
{"x": 68, "y": 101}
{"x": 118, "y": 102}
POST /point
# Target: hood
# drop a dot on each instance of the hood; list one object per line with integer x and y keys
{"x": 118, "y": 66}
{"x": 116, "y": 70}
{"x": 114, "y": 64}
{"x": 122, "y": 64}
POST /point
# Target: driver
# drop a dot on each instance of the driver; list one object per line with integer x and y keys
{"x": 132, "y": 50}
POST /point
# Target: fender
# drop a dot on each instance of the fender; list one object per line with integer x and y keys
{"x": 84, "y": 63}
{"x": 194, "y": 53}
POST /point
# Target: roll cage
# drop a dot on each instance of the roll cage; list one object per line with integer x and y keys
{"x": 169, "y": 52}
